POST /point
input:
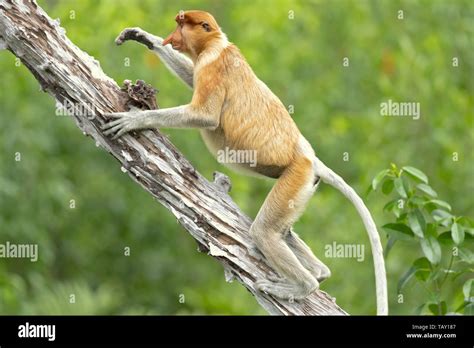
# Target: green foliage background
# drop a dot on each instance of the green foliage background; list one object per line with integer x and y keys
{"x": 81, "y": 250}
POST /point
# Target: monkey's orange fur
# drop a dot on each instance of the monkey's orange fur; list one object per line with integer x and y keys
{"x": 235, "y": 110}
{"x": 252, "y": 117}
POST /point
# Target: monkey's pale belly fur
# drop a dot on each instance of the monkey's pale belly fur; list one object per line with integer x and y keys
{"x": 215, "y": 142}
{"x": 256, "y": 121}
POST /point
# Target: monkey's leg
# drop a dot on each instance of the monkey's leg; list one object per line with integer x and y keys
{"x": 304, "y": 254}
{"x": 282, "y": 207}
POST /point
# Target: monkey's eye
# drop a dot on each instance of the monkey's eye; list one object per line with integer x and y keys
{"x": 206, "y": 26}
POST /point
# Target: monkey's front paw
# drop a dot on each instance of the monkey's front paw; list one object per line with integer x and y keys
{"x": 128, "y": 34}
{"x": 139, "y": 35}
{"x": 125, "y": 122}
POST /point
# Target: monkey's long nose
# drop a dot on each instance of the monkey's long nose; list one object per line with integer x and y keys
{"x": 168, "y": 40}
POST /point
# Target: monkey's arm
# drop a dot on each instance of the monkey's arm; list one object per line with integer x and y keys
{"x": 184, "y": 116}
{"x": 176, "y": 62}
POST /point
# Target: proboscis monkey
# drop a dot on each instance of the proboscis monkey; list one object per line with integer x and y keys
{"x": 235, "y": 110}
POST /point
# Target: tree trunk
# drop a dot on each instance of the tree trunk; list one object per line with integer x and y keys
{"x": 203, "y": 208}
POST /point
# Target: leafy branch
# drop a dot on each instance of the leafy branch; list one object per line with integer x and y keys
{"x": 445, "y": 239}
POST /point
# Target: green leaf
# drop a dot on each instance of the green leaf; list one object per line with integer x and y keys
{"x": 397, "y": 211}
{"x": 469, "y": 309}
{"x": 466, "y": 255}
{"x": 417, "y": 201}
{"x": 423, "y": 268}
{"x": 431, "y": 249}
{"x": 436, "y": 275}
{"x": 399, "y": 231}
{"x": 399, "y": 187}
{"x": 440, "y": 203}
{"x": 466, "y": 221}
{"x": 438, "y": 308}
{"x": 457, "y": 232}
{"x": 427, "y": 189}
{"x": 387, "y": 186}
{"x": 402, "y": 218}
{"x": 466, "y": 289}
{"x": 431, "y": 229}
{"x": 441, "y": 214}
{"x": 434, "y": 309}
{"x": 379, "y": 177}
{"x": 421, "y": 263}
{"x": 405, "y": 278}
{"x": 469, "y": 230}
{"x": 417, "y": 223}
{"x": 419, "y": 309}
{"x": 462, "y": 272}
{"x": 368, "y": 191}
{"x": 390, "y": 243}
{"x": 416, "y": 173}
{"x": 406, "y": 186}
{"x": 461, "y": 307}
{"x": 444, "y": 308}
{"x": 442, "y": 217}
{"x": 445, "y": 238}
{"x": 390, "y": 205}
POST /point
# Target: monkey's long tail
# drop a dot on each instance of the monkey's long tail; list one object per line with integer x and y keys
{"x": 331, "y": 178}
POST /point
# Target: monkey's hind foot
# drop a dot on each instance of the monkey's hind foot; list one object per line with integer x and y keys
{"x": 319, "y": 270}
{"x": 285, "y": 290}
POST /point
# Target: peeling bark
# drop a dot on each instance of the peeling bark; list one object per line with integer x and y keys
{"x": 203, "y": 208}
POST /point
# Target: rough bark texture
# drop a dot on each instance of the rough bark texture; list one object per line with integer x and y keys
{"x": 204, "y": 209}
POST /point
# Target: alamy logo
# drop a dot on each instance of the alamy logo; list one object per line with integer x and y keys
{"x": 67, "y": 108}
{"x": 228, "y": 155}
{"x": 21, "y": 251}
{"x": 37, "y": 331}
{"x": 355, "y": 251}
{"x": 392, "y": 108}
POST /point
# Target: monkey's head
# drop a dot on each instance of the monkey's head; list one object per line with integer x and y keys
{"x": 194, "y": 32}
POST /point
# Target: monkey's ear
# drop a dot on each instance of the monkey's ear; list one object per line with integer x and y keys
{"x": 206, "y": 26}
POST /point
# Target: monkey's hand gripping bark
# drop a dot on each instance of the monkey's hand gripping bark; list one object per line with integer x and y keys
{"x": 124, "y": 122}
